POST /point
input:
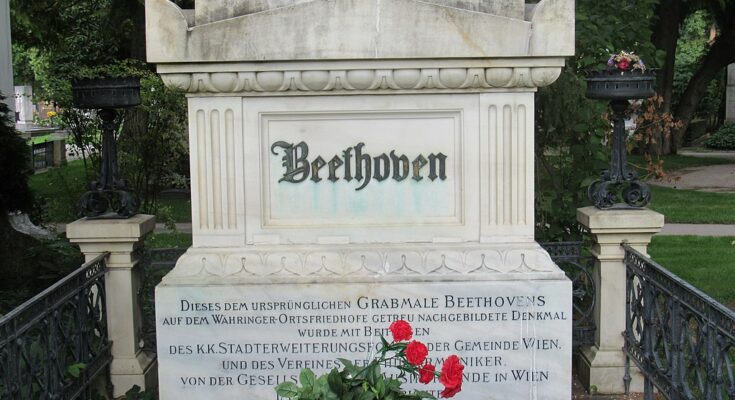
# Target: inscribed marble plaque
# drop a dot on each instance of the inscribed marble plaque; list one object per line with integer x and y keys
{"x": 239, "y": 342}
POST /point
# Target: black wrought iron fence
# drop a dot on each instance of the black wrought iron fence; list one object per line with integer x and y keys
{"x": 578, "y": 267}
{"x": 54, "y": 345}
{"x": 682, "y": 340}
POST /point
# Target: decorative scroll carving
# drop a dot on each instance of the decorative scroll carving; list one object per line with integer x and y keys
{"x": 291, "y": 82}
{"x": 367, "y": 262}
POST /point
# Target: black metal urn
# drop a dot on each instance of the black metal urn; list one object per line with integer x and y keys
{"x": 109, "y": 197}
{"x": 617, "y": 85}
{"x": 618, "y": 183}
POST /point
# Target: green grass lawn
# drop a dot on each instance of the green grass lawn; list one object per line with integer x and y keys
{"x": 689, "y": 206}
{"x": 706, "y": 262}
{"x": 58, "y": 190}
{"x": 180, "y": 209}
{"x": 693, "y": 207}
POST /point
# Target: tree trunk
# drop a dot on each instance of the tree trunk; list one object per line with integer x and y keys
{"x": 718, "y": 57}
{"x": 671, "y": 14}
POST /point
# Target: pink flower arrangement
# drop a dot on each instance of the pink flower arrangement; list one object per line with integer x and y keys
{"x": 625, "y": 61}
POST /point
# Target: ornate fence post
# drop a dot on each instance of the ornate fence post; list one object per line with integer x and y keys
{"x": 603, "y": 365}
{"x": 121, "y": 237}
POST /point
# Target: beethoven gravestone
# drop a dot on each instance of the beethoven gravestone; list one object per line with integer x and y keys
{"x": 354, "y": 162}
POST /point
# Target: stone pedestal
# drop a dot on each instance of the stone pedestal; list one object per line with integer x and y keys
{"x": 121, "y": 237}
{"x": 603, "y": 365}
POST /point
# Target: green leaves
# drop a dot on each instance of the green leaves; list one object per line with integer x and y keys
{"x": 348, "y": 366}
{"x": 351, "y": 383}
{"x": 135, "y": 393}
{"x": 569, "y": 154}
{"x": 307, "y": 378}
{"x": 288, "y": 390}
{"x": 325, "y": 387}
{"x": 336, "y": 384}
{"x": 75, "y": 370}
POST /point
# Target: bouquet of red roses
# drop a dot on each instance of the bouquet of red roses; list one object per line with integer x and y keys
{"x": 358, "y": 383}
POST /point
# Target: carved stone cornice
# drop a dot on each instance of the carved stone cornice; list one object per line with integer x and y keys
{"x": 283, "y": 79}
{"x": 366, "y": 263}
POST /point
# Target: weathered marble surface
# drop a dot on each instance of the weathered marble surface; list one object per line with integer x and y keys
{"x": 208, "y": 11}
{"x": 234, "y": 342}
{"x": 358, "y": 29}
{"x": 487, "y": 196}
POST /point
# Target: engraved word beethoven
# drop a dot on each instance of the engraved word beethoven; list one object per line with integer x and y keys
{"x": 356, "y": 164}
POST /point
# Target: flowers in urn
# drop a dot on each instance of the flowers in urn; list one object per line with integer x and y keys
{"x": 408, "y": 356}
{"x": 625, "y": 61}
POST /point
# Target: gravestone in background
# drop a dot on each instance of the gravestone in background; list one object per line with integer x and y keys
{"x": 24, "y": 104}
{"x": 355, "y": 162}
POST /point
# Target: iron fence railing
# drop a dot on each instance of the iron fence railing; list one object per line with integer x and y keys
{"x": 54, "y": 345}
{"x": 682, "y": 340}
{"x": 578, "y": 267}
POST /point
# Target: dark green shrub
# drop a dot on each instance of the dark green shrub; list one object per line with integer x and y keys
{"x": 14, "y": 166}
{"x": 723, "y": 139}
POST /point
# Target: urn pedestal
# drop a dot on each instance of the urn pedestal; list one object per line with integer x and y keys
{"x": 618, "y": 182}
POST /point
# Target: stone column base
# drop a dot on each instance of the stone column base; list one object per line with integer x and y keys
{"x": 121, "y": 238}
{"x": 602, "y": 367}
{"x": 126, "y": 373}
{"x": 601, "y": 371}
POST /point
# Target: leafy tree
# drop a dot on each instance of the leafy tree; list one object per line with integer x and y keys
{"x": 716, "y": 56}
{"x": 154, "y": 151}
{"x": 61, "y": 41}
{"x": 719, "y": 55}
{"x": 572, "y": 131}
{"x": 60, "y": 38}
{"x": 569, "y": 149}
{"x": 605, "y": 27}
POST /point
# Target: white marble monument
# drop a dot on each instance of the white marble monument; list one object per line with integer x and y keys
{"x": 6, "y": 55}
{"x": 354, "y": 162}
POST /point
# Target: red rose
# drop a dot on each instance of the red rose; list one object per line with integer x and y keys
{"x": 450, "y": 391}
{"x": 416, "y": 352}
{"x": 623, "y": 64}
{"x": 401, "y": 330}
{"x": 426, "y": 373}
{"x": 451, "y": 376}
